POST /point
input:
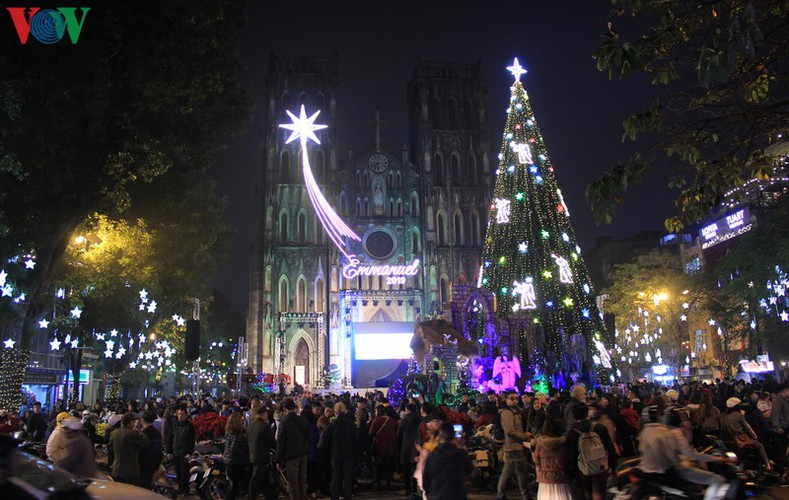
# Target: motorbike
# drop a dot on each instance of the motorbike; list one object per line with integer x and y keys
{"x": 483, "y": 451}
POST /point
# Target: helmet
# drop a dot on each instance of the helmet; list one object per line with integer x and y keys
{"x": 732, "y": 402}
{"x": 674, "y": 416}
{"x": 650, "y": 414}
{"x": 61, "y": 417}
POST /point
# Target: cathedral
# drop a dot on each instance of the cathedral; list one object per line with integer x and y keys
{"x": 420, "y": 211}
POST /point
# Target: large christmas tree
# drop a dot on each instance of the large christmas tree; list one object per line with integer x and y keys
{"x": 531, "y": 260}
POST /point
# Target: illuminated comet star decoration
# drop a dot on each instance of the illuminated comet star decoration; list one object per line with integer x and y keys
{"x": 303, "y": 128}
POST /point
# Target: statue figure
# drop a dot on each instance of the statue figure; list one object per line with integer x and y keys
{"x": 510, "y": 371}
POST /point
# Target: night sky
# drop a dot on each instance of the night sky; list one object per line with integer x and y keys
{"x": 578, "y": 109}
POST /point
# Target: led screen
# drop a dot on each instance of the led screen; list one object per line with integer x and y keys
{"x": 382, "y": 341}
{"x": 383, "y": 346}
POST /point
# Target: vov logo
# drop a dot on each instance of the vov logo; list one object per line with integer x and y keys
{"x": 48, "y": 26}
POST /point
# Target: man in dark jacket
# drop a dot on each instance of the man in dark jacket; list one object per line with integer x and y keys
{"x": 150, "y": 457}
{"x": 445, "y": 467}
{"x": 180, "y": 443}
{"x": 37, "y": 426}
{"x": 407, "y": 437}
{"x": 340, "y": 441}
{"x": 588, "y": 486}
{"x": 292, "y": 448}
{"x": 261, "y": 442}
{"x": 126, "y": 444}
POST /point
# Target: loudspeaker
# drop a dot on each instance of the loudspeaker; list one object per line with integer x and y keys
{"x": 609, "y": 319}
{"x": 192, "y": 340}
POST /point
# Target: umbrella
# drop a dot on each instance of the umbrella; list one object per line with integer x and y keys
{"x": 438, "y": 332}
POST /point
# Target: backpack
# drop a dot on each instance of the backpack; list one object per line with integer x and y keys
{"x": 498, "y": 430}
{"x": 592, "y": 455}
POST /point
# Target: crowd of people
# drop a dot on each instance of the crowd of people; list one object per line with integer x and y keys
{"x": 574, "y": 438}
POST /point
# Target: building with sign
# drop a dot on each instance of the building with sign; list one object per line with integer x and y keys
{"x": 419, "y": 212}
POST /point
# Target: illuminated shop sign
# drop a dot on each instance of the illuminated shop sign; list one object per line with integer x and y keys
{"x": 730, "y": 226}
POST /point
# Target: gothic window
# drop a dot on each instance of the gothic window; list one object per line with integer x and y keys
{"x": 435, "y": 113}
{"x": 301, "y": 230}
{"x": 283, "y": 294}
{"x": 414, "y": 204}
{"x": 284, "y": 166}
{"x": 461, "y": 278}
{"x": 283, "y": 228}
{"x": 398, "y": 180}
{"x": 452, "y": 114}
{"x": 335, "y": 280}
{"x": 443, "y": 291}
{"x": 320, "y": 294}
{"x": 391, "y": 207}
{"x": 269, "y": 221}
{"x": 358, "y": 178}
{"x": 367, "y": 212}
{"x": 415, "y": 241}
{"x": 318, "y": 232}
{"x": 366, "y": 179}
{"x": 359, "y": 206}
{"x": 301, "y": 295}
{"x": 439, "y": 169}
{"x": 267, "y": 281}
{"x": 441, "y": 229}
{"x": 343, "y": 204}
{"x": 474, "y": 228}
{"x": 459, "y": 236}
{"x": 320, "y": 104}
{"x": 471, "y": 170}
{"x": 284, "y": 104}
{"x": 399, "y": 207}
{"x": 457, "y": 178}
{"x": 433, "y": 278}
{"x": 430, "y": 220}
{"x": 303, "y": 99}
{"x": 468, "y": 114}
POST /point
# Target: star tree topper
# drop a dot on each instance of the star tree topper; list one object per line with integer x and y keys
{"x": 517, "y": 70}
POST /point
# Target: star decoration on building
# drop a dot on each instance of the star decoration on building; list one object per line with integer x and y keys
{"x": 9, "y": 343}
{"x": 76, "y": 312}
{"x": 30, "y": 264}
{"x": 54, "y": 345}
{"x": 517, "y": 70}
{"x": 303, "y": 128}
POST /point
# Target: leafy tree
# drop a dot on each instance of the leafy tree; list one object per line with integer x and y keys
{"x": 719, "y": 71}
{"x": 651, "y": 298}
{"x": 151, "y": 87}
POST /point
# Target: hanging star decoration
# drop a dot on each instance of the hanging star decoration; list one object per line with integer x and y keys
{"x": 303, "y": 128}
{"x": 74, "y": 343}
{"x": 76, "y": 312}
{"x": 784, "y": 316}
{"x": 61, "y": 293}
{"x": 30, "y": 263}
{"x": 517, "y": 70}
{"x": 3, "y": 276}
{"x": 9, "y": 343}
{"x": 152, "y": 307}
{"x": 144, "y": 295}
{"x": 54, "y": 345}
{"x": 43, "y": 324}
{"x": 7, "y": 291}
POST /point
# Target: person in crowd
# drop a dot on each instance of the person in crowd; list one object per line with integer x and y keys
{"x": 514, "y": 455}
{"x": 261, "y": 444}
{"x": 779, "y": 414}
{"x": 407, "y": 438}
{"x": 292, "y": 449}
{"x": 37, "y": 425}
{"x": 179, "y": 442}
{"x": 56, "y": 443}
{"x": 550, "y": 462}
{"x": 590, "y": 487}
{"x": 426, "y": 445}
{"x": 734, "y": 425}
{"x": 151, "y": 456}
{"x": 236, "y": 454}
{"x": 314, "y": 454}
{"x": 707, "y": 418}
{"x": 665, "y": 453}
{"x": 465, "y": 403}
{"x": 445, "y": 468}
{"x": 78, "y": 456}
{"x": 339, "y": 440}
{"x": 326, "y": 418}
{"x": 127, "y": 443}
{"x": 630, "y": 426}
{"x": 383, "y": 431}
{"x": 577, "y": 398}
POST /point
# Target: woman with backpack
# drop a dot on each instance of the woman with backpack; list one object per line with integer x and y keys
{"x": 590, "y": 453}
{"x": 549, "y": 456}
